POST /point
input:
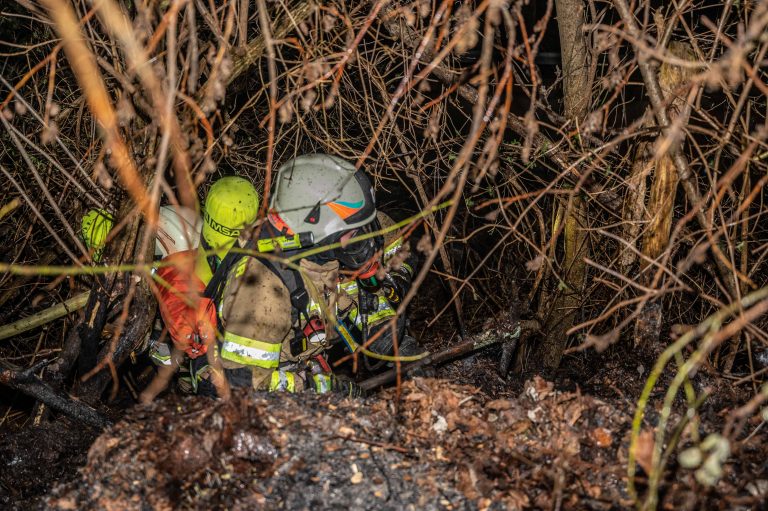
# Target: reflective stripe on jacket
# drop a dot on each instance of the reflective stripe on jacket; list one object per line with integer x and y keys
{"x": 250, "y": 352}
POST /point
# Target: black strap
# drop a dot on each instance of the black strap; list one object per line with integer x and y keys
{"x": 289, "y": 277}
{"x": 211, "y": 258}
{"x": 214, "y": 288}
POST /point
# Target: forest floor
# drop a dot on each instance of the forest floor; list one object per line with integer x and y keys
{"x": 465, "y": 439}
{"x": 436, "y": 445}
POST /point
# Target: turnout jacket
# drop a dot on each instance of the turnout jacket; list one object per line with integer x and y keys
{"x": 257, "y": 320}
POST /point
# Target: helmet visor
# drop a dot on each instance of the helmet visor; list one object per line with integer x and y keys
{"x": 355, "y": 254}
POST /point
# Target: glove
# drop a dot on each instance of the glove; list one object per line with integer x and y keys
{"x": 396, "y": 284}
{"x": 205, "y": 331}
{"x": 324, "y": 383}
{"x": 191, "y": 328}
{"x": 189, "y": 317}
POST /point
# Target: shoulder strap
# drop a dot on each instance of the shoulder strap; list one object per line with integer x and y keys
{"x": 290, "y": 279}
{"x": 214, "y": 287}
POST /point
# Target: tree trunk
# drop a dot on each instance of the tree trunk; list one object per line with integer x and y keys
{"x": 577, "y": 88}
{"x": 577, "y": 84}
{"x": 665, "y": 179}
{"x": 560, "y": 315}
{"x": 661, "y": 202}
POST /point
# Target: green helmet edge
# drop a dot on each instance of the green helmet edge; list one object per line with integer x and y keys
{"x": 94, "y": 229}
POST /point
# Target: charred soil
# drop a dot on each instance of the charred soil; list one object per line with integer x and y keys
{"x": 433, "y": 445}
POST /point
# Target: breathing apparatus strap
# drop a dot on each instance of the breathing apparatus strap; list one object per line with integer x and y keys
{"x": 290, "y": 278}
{"x": 214, "y": 288}
{"x": 212, "y": 258}
{"x": 264, "y": 243}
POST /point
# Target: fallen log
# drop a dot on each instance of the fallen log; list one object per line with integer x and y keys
{"x": 504, "y": 333}
{"x": 26, "y": 381}
{"x": 45, "y": 316}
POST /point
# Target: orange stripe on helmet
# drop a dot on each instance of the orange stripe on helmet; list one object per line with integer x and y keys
{"x": 342, "y": 211}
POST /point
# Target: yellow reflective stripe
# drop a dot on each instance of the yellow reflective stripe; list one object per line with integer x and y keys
{"x": 250, "y": 352}
{"x": 270, "y": 347}
{"x": 392, "y": 248}
{"x": 282, "y": 381}
{"x": 233, "y": 354}
{"x": 313, "y": 308}
{"x": 322, "y": 383}
{"x": 384, "y": 310}
{"x": 162, "y": 359}
{"x": 376, "y": 316}
{"x": 240, "y": 268}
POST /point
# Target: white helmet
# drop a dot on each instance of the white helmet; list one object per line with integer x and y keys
{"x": 178, "y": 229}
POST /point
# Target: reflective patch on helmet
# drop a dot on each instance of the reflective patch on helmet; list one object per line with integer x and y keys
{"x": 279, "y": 224}
{"x": 345, "y": 209}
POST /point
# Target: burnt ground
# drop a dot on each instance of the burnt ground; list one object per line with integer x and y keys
{"x": 31, "y": 459}
{"x": 466, "y": 439}
{"x": 438, "y": 445}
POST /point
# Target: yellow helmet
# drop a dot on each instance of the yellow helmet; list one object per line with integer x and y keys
{"x": 94, "y": 229}
{"x": 231, "y": 205}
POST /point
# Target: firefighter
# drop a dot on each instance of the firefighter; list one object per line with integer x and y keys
{"x": 184, "y": 270}
{"x": 231, "y": 204}
{"x": 277, "y": 320}
{"x": 272, "y": 323}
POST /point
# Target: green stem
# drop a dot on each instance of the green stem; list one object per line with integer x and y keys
{"x": 709, "y": 325}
